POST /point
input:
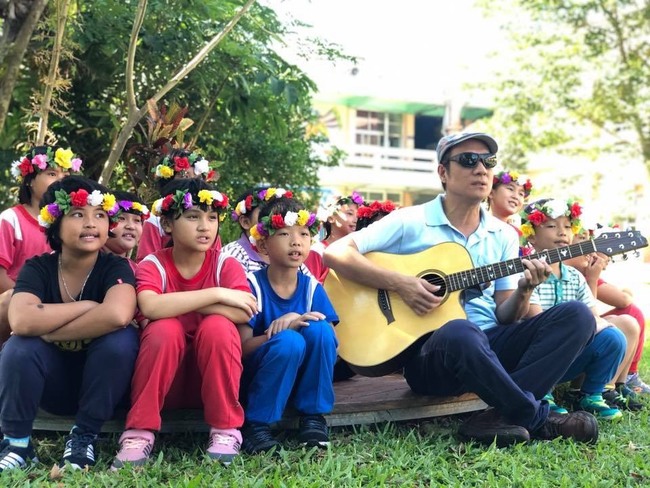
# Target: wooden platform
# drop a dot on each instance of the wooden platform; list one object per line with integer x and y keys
{"x": 359, "y": 400}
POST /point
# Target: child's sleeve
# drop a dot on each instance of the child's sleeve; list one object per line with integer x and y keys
{"x": 117, "y": 272}
{"x": 150, "y": 241}
{"x": 149, "y": 276}
{"x": 584, "y": 292}
{"x": 321, "y": 303}
{"x": 232, "y": 274}
{"x": 257, "y": 321}
{"x": 33, "y": 278}
{"x": 7, "y": 240}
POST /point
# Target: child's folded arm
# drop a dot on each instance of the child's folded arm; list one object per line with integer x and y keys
{"x": 249, "y": 343}
{"x": 28, "y": 316}
{"x": 115, "y": 312}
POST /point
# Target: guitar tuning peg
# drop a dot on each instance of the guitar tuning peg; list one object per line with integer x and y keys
{"x": 625, "y": 256}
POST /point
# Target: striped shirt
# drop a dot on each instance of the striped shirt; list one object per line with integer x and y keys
{"x": 570, "y": 286}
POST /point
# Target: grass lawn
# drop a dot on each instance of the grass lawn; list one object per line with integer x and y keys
{"x": 423, "y": 453}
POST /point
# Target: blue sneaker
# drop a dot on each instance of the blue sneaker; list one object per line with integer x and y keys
{"x": 554, "y": 407}
{"x": 596, "y": 405}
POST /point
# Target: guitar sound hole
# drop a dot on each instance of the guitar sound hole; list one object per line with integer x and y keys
{"x": 436, "y": 279}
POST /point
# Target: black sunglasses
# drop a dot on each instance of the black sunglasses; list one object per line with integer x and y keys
{"x": 471, "y": 159}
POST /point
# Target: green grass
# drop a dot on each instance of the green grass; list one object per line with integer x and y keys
{"x": 406, "y": 454}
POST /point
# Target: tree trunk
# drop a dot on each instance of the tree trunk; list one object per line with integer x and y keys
{"x": 62, "y": 7}
{"x": 13, "y": 59}
{"x": 135, "y": 113}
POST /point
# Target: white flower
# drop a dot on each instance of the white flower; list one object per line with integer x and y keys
{"x": 95, "y": 198}
{"x": 157, "y": 206}
{"x": 556, "y": 208}
{"x": 42, "y": 222}
{"x": 279, "y": 192}
{"x": 15, "y": 171}
{"x": 521, "y": 179}
{"x": 216, "y": 196}
{"x": 201, "y": 166}
{"x": 241, "y": 208}
{"x": 291, "y": 218}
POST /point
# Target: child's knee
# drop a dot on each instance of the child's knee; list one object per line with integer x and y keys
{"x": 287, "y": 345}
{"x": 321, "y": 331}
{"x": 164, "y": 334}
{"x": 613, "y": 339}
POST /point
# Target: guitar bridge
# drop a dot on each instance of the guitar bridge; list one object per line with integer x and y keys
{"x": 383, "y": 300}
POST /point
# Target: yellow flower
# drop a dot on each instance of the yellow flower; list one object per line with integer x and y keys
{"x": 255, "y": 234}
{"x": 109, "y": 202}
{"x": 165, "y": 171}
{"x": 303, "y": 217}
{"x": 137, "y": 206}
{"x": 576, "y": 228}
{"x": 47, "y": 216}
{"x": 63, "y": 157}
{"x": 514, "y": 175}
{"x": 269, "y": 194}
{"x": 205, "y": 196}
{"x": 527, "y": 230}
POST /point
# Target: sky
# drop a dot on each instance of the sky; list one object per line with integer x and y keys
{"x": 424, "y": 48}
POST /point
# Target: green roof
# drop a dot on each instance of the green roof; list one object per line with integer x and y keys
{"x": 404, "y": 106}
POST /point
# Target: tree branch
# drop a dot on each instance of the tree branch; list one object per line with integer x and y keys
{"x": 135, "y": 115}
{"x": 62, "y": 7}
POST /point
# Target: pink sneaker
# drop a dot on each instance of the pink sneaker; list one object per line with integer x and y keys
{"x": 224, "y": 444}
{"x": 135, "y": 448}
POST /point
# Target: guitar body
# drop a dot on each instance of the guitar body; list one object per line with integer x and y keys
{"x": 377, "y": 330}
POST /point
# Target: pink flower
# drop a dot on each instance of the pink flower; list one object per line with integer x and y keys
{"x": 76, "y": 164}
{"x": 40, "y": 160}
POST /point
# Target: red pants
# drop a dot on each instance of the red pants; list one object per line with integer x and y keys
{"x": 178, "y": 367}
{"x": 635, "y": 312}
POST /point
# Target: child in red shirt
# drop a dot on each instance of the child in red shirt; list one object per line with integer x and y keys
{"x": 190, "y": 352}
{"x": 177, "y": 164}
{"x": 20, "y": 234}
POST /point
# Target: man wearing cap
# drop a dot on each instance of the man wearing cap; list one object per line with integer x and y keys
{"x": 508, "y": 362}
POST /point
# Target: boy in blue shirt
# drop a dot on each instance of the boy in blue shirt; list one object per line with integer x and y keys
{"x": 289, "y": 347}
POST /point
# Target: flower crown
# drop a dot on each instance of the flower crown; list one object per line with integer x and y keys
{"x": 370, "y": 211}
{"x": 183, "y": 200}
{"x": 267, "y": 226}
{"x": 505, "y": 177}
{"x": 64, "y": 202}
{"x": 537, "y": 213}
{"x": 63, "y": 158}
{"x": 253, "y": 201}
{"x": 336, "y": 203}
{"x": 136, "y": 208}
{"x": 170, "y": 165}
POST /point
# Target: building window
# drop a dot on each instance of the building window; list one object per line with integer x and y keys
{"x": 372, "y": 195}
{"x": 378, "y": 129}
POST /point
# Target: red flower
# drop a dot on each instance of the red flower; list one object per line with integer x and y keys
{"x": 26, "y": 167}
{"x": 167, "y": 202}
{"x": 576, "y": 210}
{"x": 277, "y": 222}
{"x": 181, "y": 163}
{"x": 211, "y": 175}
{"x": 364, "y": 212}
{"x": 388, "y": 206}
{"x": 222, "y": 204}
{"x": 248, "y": 202}
{"x": 537, "y": 217}
{"x": 288, "y": 194}
{"x": 79, "y": 198}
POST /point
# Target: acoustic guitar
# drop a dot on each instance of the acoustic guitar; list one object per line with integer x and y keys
{"x": 377, "y": 331}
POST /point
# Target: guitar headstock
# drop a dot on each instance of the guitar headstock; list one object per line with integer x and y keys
{"x": 618, "y": 242}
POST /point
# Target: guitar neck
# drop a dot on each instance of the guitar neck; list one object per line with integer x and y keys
{"x": 472, "y": 277}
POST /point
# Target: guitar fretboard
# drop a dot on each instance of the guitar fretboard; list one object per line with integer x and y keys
{"x": 472, "y": 277}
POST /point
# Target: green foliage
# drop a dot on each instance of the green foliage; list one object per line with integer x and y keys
{"x": 250, "y": 106}
{"x": 577, "y": 64}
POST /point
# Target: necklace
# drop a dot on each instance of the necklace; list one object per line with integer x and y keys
{"x": 65, "y": 285}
